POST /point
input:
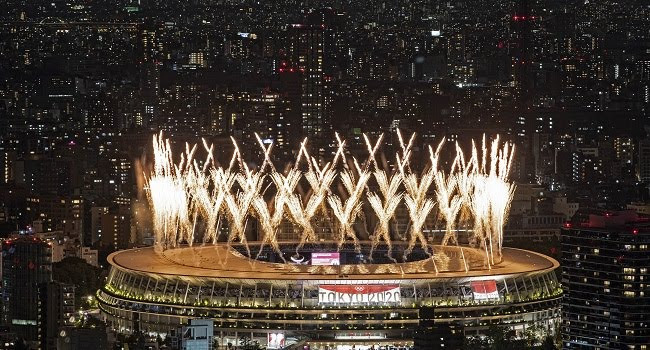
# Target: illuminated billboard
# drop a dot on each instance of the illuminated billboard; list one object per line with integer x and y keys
{"x": 359, "y": 294}
{"x": 325, "y": 259}
{"x": 275, "y": 341}
{"x": 485, "y": 290}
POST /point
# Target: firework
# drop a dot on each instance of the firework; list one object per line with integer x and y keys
{"x": 190, "y": 202}
{"x": 385, "y": 207}
{"x": 346, "y": 211}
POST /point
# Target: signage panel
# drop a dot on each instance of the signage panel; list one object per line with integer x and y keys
{"x": 485, "y": 290}
{"x": 359, "y": 294}
{"x": 325, "y": 259}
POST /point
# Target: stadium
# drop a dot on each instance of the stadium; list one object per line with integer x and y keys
{"x": 331, "y": 254}
{"x": 324, "y": 297}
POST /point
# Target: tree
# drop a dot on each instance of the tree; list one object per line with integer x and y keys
{"x": 503, "y": 338}
{"x": 548, "y": 344}
{"x": 475, "y": 343}
{"x": 75, "y": 271}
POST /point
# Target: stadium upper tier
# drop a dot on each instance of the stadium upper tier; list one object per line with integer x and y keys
{"x": 322, "y": 293}
{"x": 220, "y": 261}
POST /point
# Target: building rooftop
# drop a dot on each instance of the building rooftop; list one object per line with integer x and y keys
{"x": 601, "y": 218}
{"x": 220, "y": 261}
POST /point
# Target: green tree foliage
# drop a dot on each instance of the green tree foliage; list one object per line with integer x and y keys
{"x": 86, "y": 278}
{"x": 501, "y": 338}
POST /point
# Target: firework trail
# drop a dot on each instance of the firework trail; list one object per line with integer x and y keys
{"x": 385, "y": 208}
{"x": 346, "y": 211}
{"x": 187, "y": 198}
{"x": 167, "y": 195}
{"x": 418, "y": 206}
{"x": 271, "y": 222}
{"x": 320, "y": 180}
{"x": 239, "y": 204}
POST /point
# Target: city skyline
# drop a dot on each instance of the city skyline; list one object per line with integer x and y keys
{"x": 84, "y": 86}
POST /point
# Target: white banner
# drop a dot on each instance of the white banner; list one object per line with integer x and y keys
{"x": 359, "y": 294}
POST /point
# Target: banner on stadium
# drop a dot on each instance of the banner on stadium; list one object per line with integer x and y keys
{"x": 359, "y": 294}
{"x": 485, "y": 290}
{"x": 275, "y": 341}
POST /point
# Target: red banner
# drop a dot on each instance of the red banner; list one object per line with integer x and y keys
{"x": 485, "y": 289}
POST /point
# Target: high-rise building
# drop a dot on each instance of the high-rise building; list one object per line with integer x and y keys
{"x": 26, "y": 263}
{"x": 586, "y": 165}
{"x": 115, "y": 225}
{"x": 521, "y": 26}
{"x": 53, "y": 212}
{"x": 57, "y": 310}
{"x": 644, "y": 161}
{"x": 120, "y": 174}
{"x": 45, "y": 175}
{"x": 307, "y": 52}
{"x": 605, "y": 265}
{"x": 149, "y": 75}
{"x": 7, "y": 159}
{"x": 96, "y": 218}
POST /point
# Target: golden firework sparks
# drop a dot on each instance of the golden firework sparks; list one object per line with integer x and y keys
{"x": 186, "y": 196}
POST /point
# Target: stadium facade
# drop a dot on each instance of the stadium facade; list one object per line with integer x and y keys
{"x": 323, "y": 296}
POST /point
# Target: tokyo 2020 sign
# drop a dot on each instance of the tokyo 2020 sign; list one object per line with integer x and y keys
{"x": 359, "y": 294}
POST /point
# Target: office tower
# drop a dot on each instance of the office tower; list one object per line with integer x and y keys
{"x": 605, "y": 279}
{"x": 26, "y": 263}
